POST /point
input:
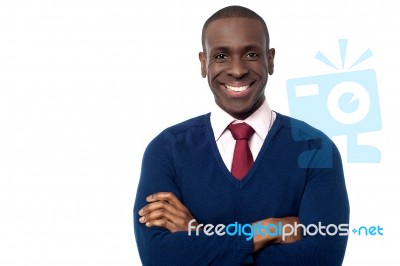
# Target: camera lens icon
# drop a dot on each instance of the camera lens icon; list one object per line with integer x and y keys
{"x": 348, "y": 103}
{"x": 340, "y": 104}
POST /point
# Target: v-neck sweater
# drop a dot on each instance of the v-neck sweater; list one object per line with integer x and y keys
{"x": 298, "y": 172}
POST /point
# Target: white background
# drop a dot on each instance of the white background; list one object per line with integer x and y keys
{"x": 85, "y": 85}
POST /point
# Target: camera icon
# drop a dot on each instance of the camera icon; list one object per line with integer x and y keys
{"x": 345, "y": 103}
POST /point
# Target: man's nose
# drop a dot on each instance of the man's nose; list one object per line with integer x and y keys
{"x": 237, "y": 68}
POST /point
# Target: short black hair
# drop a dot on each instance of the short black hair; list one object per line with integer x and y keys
{"x": 233, "y": 12}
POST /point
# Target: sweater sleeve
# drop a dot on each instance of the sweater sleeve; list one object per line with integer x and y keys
{"x": 324, "y": 200}
{"x": 158, "y": 246}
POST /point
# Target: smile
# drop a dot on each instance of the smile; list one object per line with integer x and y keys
{"x": 237, "y": 89}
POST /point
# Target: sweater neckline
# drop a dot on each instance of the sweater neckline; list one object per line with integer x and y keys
{"x": 217, "y": 156}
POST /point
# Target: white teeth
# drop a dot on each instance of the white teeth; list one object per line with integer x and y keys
{"x": 237, "y": 89}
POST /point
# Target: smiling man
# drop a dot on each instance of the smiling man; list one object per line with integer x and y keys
{"x": 240, "y": 165}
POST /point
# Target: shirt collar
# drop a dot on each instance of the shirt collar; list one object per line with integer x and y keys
{"x": 260, "y": 120}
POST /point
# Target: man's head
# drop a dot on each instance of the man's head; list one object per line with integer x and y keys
{"x": 234, "y": 12}
{"x": 236, "y": 59}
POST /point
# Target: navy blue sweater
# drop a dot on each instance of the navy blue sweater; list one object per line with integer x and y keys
{"x": 298, "y": 172}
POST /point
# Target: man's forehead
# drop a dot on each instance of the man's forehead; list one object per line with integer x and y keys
{"x": 225, "y": 32}
{"x": 230, "y": 21}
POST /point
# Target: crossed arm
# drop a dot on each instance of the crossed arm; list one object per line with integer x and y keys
{"x": 165, "y": 210}
{"x": 168, "y": 217}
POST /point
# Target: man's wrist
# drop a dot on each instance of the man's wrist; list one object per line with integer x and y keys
{"x": 262, "y": 239}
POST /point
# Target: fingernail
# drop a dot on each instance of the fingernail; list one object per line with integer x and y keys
{"x": 140, "y": 212}
{"x": 147, "y": 224}
{"x": 141, "y": 219}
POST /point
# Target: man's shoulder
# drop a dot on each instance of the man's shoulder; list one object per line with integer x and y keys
{"x": 189, "y": 124}
{"x": 179, "y": 130}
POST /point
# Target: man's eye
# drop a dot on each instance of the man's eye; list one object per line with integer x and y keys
{"x": 252, "y": 55}
{"x": 220, "y": 57}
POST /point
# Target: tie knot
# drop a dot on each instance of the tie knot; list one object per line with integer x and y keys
{"x": 241, "y": 131}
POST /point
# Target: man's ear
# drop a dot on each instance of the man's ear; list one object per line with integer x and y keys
{"x": 203, "y": 61}
{"x": 271, "y": 56}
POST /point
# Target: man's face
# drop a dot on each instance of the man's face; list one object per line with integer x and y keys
{"x": 236, "y": 63}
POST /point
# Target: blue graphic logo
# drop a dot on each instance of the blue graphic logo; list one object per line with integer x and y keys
{"x": 344, "y": 103}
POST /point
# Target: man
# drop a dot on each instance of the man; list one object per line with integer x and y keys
{"x": 197, "y": 173}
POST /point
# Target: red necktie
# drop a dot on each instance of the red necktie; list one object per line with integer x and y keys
{"x": 242, "y": 157}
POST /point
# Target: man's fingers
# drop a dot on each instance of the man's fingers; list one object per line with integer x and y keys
{"x": 161, "y": 205}
{"x": 290, "y": 233}
{"x": 165, "y": 210}
{"x": 165, "y": 220}
{"x": 155, "y": 206}
{"x": 165, "y": 223}
{"x": 159, "y": 215}
{"x": 169, "y": 197}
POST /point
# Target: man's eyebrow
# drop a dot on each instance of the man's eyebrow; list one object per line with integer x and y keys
{"x": 221, "y": 49}
{"x": 224, "y": 49}
{"x": 253, "y": 47}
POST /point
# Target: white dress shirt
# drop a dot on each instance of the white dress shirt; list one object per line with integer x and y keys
{"x": 261, "y": 121}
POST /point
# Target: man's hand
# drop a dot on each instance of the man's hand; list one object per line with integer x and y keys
{"x": 165, "y": 210}
{"x": 287, "y": 223}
